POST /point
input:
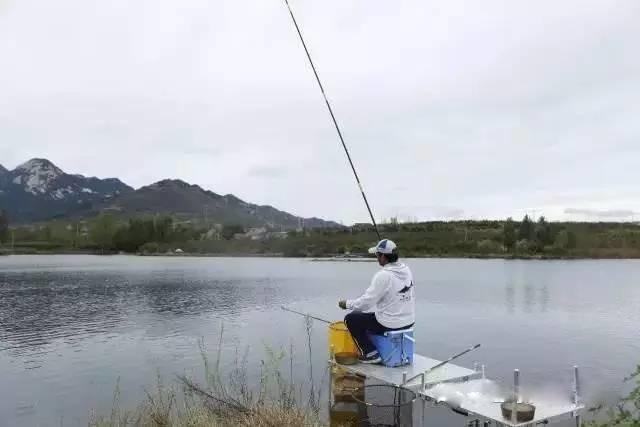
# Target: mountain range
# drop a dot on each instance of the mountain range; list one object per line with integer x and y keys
{"x": 38, "y": 191}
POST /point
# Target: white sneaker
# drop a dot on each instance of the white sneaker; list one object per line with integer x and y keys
{"x": 371, "y": 359}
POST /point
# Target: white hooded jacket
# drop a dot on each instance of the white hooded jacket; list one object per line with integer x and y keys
{"x": 390, "y": 297}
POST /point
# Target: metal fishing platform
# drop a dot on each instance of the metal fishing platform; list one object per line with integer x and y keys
{"x": 480, "y": 410}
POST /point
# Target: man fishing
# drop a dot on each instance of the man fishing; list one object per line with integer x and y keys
{"x": 388, "y": 304}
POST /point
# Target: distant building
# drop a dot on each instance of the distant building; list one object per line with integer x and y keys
{"x": 278, "y": 235}
{"x": 362, "y": 226}
{"x": 112, "y": 209}
{"x": 261, "y": 233}
{"x": 213, "y": 234}
{"x": 257, "y": 233}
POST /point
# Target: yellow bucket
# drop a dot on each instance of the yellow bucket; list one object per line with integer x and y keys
{"x": 340, "y": 339}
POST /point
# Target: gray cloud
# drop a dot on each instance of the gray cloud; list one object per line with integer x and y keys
{"x": 593, "y": 213}
{"x": 266, "y": 171}
{"x": 493, "y": 108}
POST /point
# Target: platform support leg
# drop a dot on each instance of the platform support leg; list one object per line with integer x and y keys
{"x": 576, "y": 395}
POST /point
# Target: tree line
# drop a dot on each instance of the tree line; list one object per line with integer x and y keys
{"x": 4, "y": 227}
{"x": 485, "y": 238}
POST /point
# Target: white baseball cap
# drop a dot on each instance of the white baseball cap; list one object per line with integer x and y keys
{"x": 384, "y": 246}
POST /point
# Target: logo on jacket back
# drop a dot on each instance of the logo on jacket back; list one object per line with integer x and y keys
{"x": 403, "y": 292}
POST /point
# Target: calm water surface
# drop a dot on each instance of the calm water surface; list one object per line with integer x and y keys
{"x": 70, "y": 326}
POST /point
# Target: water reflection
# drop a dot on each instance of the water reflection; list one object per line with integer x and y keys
{"x": 347, "y": 393}
{"x": 534, "y": 298}
{"x": 544, "y": 298}
{"x": 510, "y": 297}
{"x": 529, "y": 298}
{"x": 37, "y": 309}
{"x": 385, "y": 405}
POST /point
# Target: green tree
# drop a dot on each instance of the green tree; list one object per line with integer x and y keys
{"x": 162, "y": 227}
{"x": 103, "y": 231}
{"x": 228, "y": 231}
{"x": 487, "y": 246}
{"x": 392, "y": 225}
{"x": 523, "y": 246}
{"x": 131, "y": 237}
{"x": 151, "y": 247}
{"x": 572, "y": 240}
{"x": 4, "y": 227}
{"x": 525, "y": 231}
{"x": 46, "y": 233}
{"x": 509, "y": 234}
{"x": 562, "y": 240}
{"x": 542, "y": 234}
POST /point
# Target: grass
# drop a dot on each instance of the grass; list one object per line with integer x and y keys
{"x": 626, "y": 413}
{"x": 226, "y": 399}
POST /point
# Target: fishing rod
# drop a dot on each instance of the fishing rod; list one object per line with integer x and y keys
{"x": 433, "y": 368}
{"x": 305, "y": 315}
{"x": 333, "y": 117}
{"x": 441, "y": 364}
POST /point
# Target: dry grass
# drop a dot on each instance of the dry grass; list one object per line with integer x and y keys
{"x": 226, "y": 399}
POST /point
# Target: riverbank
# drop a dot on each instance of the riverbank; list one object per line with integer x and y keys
{"x": 482, "y": 239}
{"x": 332, "y": 258}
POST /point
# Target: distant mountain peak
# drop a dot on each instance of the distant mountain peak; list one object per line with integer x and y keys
{"x": 3, "y": 170}
{"x": 39, "y": 190}
{"x": 36, "y": 175}
{"x": 171, "y": 182}
{"x": 39, "y": 164}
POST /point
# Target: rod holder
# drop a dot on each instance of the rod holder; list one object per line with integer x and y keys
{"x": 483, "y": 372}
{"x": 404, "y": 377}
{"x": 516, "y": 385}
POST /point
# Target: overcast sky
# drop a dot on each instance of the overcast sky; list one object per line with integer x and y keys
{"x": 451, "y": 108}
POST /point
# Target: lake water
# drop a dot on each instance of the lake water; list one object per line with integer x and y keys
{"x": 70, "y": 326}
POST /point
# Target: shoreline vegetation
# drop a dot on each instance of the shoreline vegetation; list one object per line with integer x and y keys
{"x": 237, "y": 397}
{"x": 482, "y": 239}
{"x": 276, "y": 399}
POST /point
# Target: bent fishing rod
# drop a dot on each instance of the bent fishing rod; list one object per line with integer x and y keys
{"x": 333, "y": 117}
{"x": 441, "y": 364}
{"x": 304, "y": 314}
